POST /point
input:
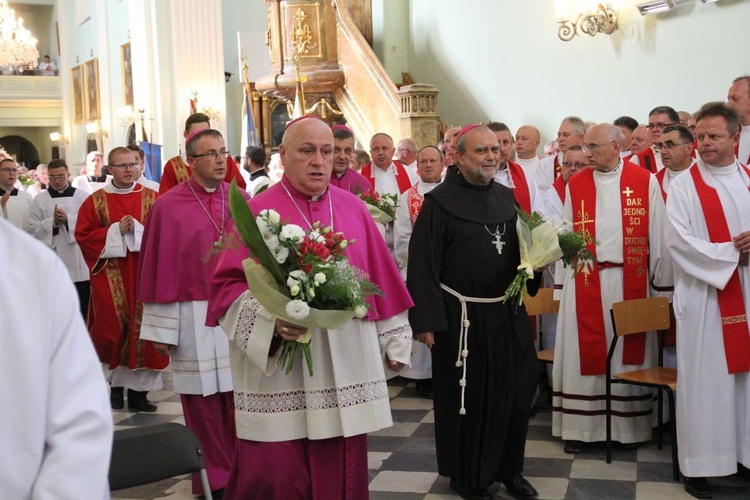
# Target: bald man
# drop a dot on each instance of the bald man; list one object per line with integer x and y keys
{"x": 310, "y": 445}
{"x": 527, "y": 142}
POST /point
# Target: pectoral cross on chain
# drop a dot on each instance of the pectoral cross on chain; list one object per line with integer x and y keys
{"x": 499, "y": 244}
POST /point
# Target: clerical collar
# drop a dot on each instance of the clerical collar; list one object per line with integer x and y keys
{"x": 299, "y": 194}
{"x": 261, "y": 172}
{"x": 614, "y": 171}
{"x": 65, "y": 193}
{"x": 13, "y": 192}
{"x": 111, "y": 188}
{"x": 200, "y": 187}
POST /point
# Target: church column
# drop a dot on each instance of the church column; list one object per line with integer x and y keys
{"x": 419, "y": 118}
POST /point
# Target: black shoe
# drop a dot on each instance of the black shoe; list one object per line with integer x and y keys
{"x": 137, "y": 401}
{"x": 698, "y": 487}
{"x": 743, "y": 472}
{"x": 424, "y": 388}
{"x": 575, "y": 447}
{"x": 116, "y": 398}
{"x": 470, "y": 493}
{"x": 519, "y": 487}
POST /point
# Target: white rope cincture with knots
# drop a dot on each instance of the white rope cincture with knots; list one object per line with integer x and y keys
{"x": 463, "y": 338}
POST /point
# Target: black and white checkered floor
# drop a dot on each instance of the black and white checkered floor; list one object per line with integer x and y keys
{"x": 403, "y": 466}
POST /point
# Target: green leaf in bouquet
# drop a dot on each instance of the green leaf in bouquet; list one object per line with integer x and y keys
{"x": 250, "y": 232}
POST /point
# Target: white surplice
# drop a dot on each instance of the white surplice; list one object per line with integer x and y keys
{"x": 530, "y": 165}
{"x": 506, "y": 179}
{"x": 579, "y": 401}
{"x": 545, "y": 175}
{"x": 200, "y": 354}
{"x": 41, "y": 225}
{"x": 56, "y": 424}
{"x": 16, "y": 209}
{"x": 402, "y": 227}
{"x": 713, "y": 419}
{"x": 346, "y": 396}
{"x": 421, "y": 359}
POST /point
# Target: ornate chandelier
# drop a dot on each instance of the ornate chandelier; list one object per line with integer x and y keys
{"x": 17, "y": 45}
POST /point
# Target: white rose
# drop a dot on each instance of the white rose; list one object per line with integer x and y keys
{"x": 271, "y": 240}
{"x": 291, "y": 232}
{"x": 280, "y": 253}
{"x": 319, "y": 278}
{"x": 297, "y": 309}
{"x": 389, "y": 201}
{"x": 263, "y": 227}
{"x": 295, "y": 277}
{"x": 273, "y": 217}
{"x": 360, "y": 311}
{"x": 316, "y": 237}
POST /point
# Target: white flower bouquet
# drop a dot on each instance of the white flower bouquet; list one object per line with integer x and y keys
{"x": 301, "y": 277}
{"x": 539, "y": 245}
{"x": 382, "y": 208}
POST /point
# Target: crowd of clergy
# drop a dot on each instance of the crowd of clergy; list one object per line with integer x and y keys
{"x": 663, "y": 202}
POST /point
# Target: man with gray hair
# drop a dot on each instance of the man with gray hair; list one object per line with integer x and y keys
{"x": 406, "y": 153}
{"x": 619, "y": 209}
{"x": 571, "y": 133}
{"x": 738, "y": 98}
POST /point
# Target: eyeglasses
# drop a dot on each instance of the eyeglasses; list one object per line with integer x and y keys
{"x": 9, "y": 170}
{"x": 123, "y": 165}
{"x": 659, "y": 126}
{"x": 670, "y": 145}
{"x": 58, "y": 177}
{"x": 212, "y": 155}
{"x": 568, "y": 164}
{"x": 593, "y": 148}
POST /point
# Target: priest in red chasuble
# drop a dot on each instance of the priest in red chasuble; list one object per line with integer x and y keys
{"x": 176, "y": 170}
{"x": 108, "y": 231}
{"x": 619, "y": 208}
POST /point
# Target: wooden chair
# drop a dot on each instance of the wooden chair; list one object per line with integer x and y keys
{"x": 143, "y": 455}
{"x": 542, "y": 303}
{"x": 639, "y": 316}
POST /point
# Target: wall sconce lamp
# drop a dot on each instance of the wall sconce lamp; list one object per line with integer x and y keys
{"x": 655, "y": 7}
{"x": 126, "y": 115}
{"x": 93, "y": 137}
{"x": 93, "y": 132}
{"x": 57, "y": 140}
{"x": 602, "y": 20}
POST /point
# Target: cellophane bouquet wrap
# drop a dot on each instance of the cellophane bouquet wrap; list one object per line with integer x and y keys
{"x": 302, "y": 277}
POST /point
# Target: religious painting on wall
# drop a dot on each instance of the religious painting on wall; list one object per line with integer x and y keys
{"x": 76, "y": 77}
{"x": 127, "y": 75}
{"x": 91, "y": 77}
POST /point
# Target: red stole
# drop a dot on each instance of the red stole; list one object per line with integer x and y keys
{"x": 660, "y": 177}
{"x": 414, "y": 201}
{"x": 402, "y": 177}
{"x": 557, "y": 167}
{"x": 634, "y": 198}
{"x": 559, "y": 186}
{"x": 647, "y": 159}
{"x": 520, "y": 186}
{"x": 731, "y": 304}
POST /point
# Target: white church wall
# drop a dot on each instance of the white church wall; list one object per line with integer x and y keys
{"x": 502, "y": 60}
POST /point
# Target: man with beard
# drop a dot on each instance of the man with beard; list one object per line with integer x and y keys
{"x": 482, "y": 401}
